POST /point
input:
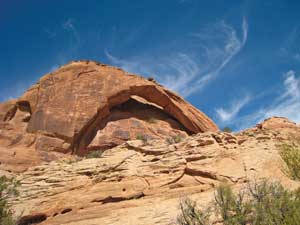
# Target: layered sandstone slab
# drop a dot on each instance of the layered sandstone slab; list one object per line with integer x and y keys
{"x": 142, "y": 182}
{"x": 69, "y": 109}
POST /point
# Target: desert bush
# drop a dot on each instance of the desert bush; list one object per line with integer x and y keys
{"x": 7, "y": 189}
{"x": 94, "y": 154}
{"x": 151, "y": 120}
{"x": 230, "y": 207}
{"x": 174, "y": 139}
{"x": 272, "y": 204}
{"x": 177, "y": 138}
{"x": 142, "y": 137}
{"x": 290, "y": 153}
{"x": 190, "y": 215}
{"x": 263, "y": 203}
{"x": 227, "y": 129}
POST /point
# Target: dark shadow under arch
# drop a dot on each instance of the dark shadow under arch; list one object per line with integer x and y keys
{"x": 149, "y": 93}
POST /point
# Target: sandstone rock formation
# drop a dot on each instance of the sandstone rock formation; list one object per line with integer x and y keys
{"x": 87, "y": 106}
{"x": 142, "y": 182}
{"x": 156, "y": 148}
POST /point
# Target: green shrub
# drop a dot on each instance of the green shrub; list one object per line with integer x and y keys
{"x": 290, "y": 153}
{"x": 177, "y": 138}
{"x": 230, "y": 207}
{"x": 227, "y": 129}
{"x": 174, "y": 139}
{"x": 7, "y": 189}
{"x": 190, "y": 215}
{"x": 151, "y": 120}
{"x": 272, "y": 204}
{"x": 142, "y": 137}
{"x": 264, "y": 203}
{"x": 94, "y": 154}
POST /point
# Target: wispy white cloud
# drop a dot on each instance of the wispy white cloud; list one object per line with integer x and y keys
{"x": 229, "y": 113}
{"x": 232, "y": 47}
{"x": 189, "y": 71}
{"x": 185, "y": 69}
{"x": 68, "y": 25}
{"x": 53, "y": 68}
{"x": 14, "y": 91}
{"x": 69, "y": 31}
{"x": 289, "y": 49}
{"x": 128, "y": 65}
{"x": 297, "y": 56}
{"x": 287, "y": 104}
{"x": 182, "y": 67}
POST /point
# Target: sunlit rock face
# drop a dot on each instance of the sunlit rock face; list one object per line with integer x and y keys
{"x": 142, "y": 182}
{"x": 153, "y": 149}
{"x": 85, "y": 106}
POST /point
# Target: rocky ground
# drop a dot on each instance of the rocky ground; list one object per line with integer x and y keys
{"x": 142, "y": 182}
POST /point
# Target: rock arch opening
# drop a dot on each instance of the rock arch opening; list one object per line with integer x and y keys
{"x": 18, "y": 112}
{"x": 127, "y": 121}
{"x": 24, "y": 106}
{"x": 165, "y": 100}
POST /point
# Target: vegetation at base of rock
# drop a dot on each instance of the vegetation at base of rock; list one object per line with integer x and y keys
{"x": 151, "y": 120}
{"x": 190, "y": 215}
{"x": 177, "y": 138}
{"x": 7, "y": 189}
{"x": 94, "y": 154}
{"x": 258, "y": 204}
{"x": 141, "y": 137}
{"x": 174, "y": 139}
{"x": 290, "y": 153}
{"x": 227, "y": 129}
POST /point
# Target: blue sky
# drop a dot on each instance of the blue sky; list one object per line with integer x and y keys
{"x": 237, "y": 61}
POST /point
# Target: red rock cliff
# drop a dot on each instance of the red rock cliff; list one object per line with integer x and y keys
{"x": 87, "y": 104}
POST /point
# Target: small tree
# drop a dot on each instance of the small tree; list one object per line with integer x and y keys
{"x": 174, "y": 139}
{"x": 190, "y": 215}
{"x": 227, "y": 130}
{"x": 7, "y": 189}
{"x": 142, "y": 138}
{"x": 232, "y": 208}
{"x": 151, "y": 120}
{"x": 290, "y": 153}
{"x": 94, "y": 154}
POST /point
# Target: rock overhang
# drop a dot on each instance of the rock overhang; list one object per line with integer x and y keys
{"x": 68, "y": 102}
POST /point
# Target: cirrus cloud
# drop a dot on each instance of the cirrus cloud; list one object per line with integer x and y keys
{"x": 188, "y": 72}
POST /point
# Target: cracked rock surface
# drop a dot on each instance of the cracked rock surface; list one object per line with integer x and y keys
{"x": 142, "y": 182}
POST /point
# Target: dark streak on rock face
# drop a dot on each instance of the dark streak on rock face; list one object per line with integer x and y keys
{"x": 32, "y": 219}
{"x": 111, "y": 199}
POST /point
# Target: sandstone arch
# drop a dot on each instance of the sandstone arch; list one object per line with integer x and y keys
{"x": 70, "y": 102}
{"x": 85, "y": 136}
{"x": 169, "y": 102}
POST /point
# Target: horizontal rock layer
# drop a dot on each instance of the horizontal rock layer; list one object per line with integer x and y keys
{"x": 142, "y": 182}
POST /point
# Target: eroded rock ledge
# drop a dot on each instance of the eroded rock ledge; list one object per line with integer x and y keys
{"x": 142, "y": 182}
